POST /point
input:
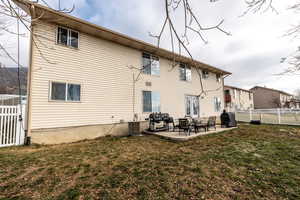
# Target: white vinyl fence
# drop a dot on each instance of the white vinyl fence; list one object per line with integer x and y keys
{"x": 11, "y": 126}
{"x": 271, "y": 116}
{"x": 10, "y": 100}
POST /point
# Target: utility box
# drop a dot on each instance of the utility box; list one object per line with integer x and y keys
{"x": 134, "y": 128}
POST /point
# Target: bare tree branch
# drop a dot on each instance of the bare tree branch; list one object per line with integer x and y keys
{"x": 191, "y": 24}
{"x": 256, "y": 6}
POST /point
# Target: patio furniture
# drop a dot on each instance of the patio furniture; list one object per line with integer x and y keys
{"x": 185, "y": 125}
{"x": 211, "y": 123}
{"x": 175, "y": 125}
{"x": 199, "y": 124}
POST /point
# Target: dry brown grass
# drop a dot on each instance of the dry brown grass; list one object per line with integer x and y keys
{"x": 252, "y": 162}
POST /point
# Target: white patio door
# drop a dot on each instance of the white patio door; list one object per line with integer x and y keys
{"x": 192, "y": 106}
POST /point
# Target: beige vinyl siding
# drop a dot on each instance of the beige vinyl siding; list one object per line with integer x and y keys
{"x": 100, "y": 67}
{"x": 173, "y": 91}
{"x": 241, "y": 101}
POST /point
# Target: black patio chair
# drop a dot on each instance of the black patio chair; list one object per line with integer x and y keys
{"x": 184, "y": 124}
{"x": 199, "y": 124}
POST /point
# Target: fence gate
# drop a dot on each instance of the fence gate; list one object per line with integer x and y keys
{"x": 11, "y": 127}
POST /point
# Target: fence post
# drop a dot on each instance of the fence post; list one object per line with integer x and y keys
{"x": 20, "y": 124}
{"x": 279, "y": 115}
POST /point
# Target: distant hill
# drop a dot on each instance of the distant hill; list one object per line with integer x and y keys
{"x": 9, "y": 80}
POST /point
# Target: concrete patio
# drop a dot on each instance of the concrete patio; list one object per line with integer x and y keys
{"x": 176, "y": 136}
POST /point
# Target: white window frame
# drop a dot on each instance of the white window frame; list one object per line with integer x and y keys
{"x": 68, "y": 37}
{"x": 186, "y": 66}
{"x": 151, "y": 59}
{"x": 217, "y": 100}
{"x": 205, "y": 74}
{"x": 193, "y": 97}
{"x": 66, "y": 92}
{"x": 219, "y": 78}
{"x": 151, "y": 100}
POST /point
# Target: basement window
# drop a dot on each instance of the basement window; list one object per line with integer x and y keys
{"x": 67, "y": 37}
{"x": 65, "y": 92}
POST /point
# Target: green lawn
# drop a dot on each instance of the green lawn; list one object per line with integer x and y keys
{"x": 252, "y": 162}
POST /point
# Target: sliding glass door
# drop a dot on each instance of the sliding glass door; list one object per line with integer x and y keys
{"x": 192, "y": 106}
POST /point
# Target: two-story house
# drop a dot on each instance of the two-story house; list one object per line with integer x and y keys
{"x": 267, "y": 98}
{"x": 237, "y": 99}
{"x": 86, "y": 81}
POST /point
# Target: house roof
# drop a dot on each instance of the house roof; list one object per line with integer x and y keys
{"x": 233, "y": 87}
{"x": 265, "y": 88}
{"x": 44, "y": 13}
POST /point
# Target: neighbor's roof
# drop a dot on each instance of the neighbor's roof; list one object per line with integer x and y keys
{"x": 233, "y": 87}
{"x": 52, "y": 16}
{"x": 282, "y": 92}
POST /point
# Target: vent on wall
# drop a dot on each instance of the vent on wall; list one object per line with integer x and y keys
{"x": 148, "y": 84}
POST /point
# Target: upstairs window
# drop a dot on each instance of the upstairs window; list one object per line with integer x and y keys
{"x": 218, "y": 78}
{"x": 65, "y": 92}
{"x": 205, "y": 74}
{"x": 67, "y": 37}
{"x": 185, "y": 72}
{"x": 151, "y": 101}
{"x": 151, "y": 64}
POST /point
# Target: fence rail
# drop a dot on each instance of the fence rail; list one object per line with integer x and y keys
{"x": 12, "y": 125}
{"x": 271, "y": 116}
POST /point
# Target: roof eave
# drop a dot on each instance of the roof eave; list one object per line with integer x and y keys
{"x": 36, "y": 9}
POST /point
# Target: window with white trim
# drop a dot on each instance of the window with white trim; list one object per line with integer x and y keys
{"x": 65, "y": 92}
{"x": 151, "y": 101}
{"x": 217, "y": 104}
{"x": 67, "y": 37}
{"x": 218, "y": 77}
{"x": 185, "y": 72}
{"x": 205, "y": 74}
{"x": 151, "y": 64}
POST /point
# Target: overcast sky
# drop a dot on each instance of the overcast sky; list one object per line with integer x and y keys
{"x": 252, "y": 53}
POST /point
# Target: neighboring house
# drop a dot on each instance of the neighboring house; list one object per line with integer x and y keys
{"x": 294, "y": 103}
{"x": 237, "y": 99}
{"x": 86, "y": 89}
{"x": 267, "y": 98}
